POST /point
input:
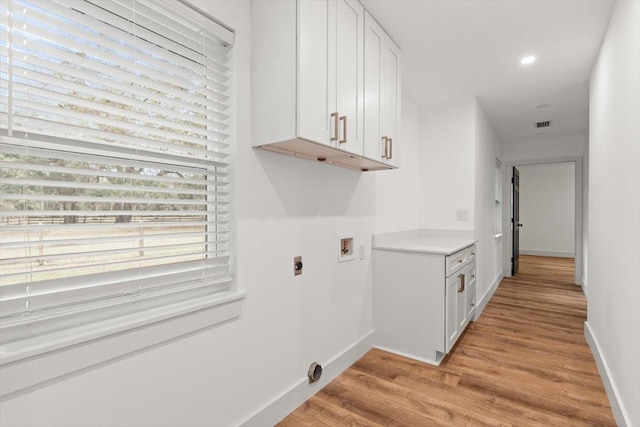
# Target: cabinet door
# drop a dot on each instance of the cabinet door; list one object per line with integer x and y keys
{"x": 374, "y": 46}
{"x": 391, "y": 100}
{"x": 313, "y": 121}
{"x": 461, "y": 309}
{"x": 451, "y": 312}
{"x": 349, "y": 73}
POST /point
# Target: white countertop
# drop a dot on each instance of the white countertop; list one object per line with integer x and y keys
{"x": 440, "y": 242}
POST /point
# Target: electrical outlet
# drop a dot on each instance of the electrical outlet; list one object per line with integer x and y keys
{"x": 462, "y": 215}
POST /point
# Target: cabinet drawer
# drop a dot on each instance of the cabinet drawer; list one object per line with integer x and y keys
{"x": 456, "y": 261}
{"x": 472, "y": 275}
{"x": 471, "y": 303}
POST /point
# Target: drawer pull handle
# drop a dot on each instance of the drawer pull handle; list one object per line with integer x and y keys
{"x": 335, "y": 126}
{"x": 344, "y": 130}
{"x": 461, "y": 287}
{"x": 386, "y": 147}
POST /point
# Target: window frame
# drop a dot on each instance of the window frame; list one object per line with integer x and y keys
{"x": 497, "y": 196}
{"x": 66, "y": 341}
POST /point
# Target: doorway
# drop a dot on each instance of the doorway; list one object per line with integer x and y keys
{"x": 547, "y": 207}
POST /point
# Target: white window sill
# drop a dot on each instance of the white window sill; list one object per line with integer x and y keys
{"x": 34, "y": 360}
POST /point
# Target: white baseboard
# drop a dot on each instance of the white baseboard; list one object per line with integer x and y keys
{"x": 487, "y": 296}
{"x": 283, "y": 405}
{"x": 411, "y": 356}
{"x": 558, "y": 254}
{"x": 619, "y": 412}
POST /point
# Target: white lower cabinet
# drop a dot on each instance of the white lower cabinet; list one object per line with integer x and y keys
{"x": 422, "y": 302}
{"x": 458, "y": 290}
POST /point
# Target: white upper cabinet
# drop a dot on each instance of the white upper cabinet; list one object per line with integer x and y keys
{"x": 381, "y": 94}
{"x": 308, "y": 81}
{"x": 314, "y": 97}
{"x": 330, "y": 73}
{"x": 349, "y": 78}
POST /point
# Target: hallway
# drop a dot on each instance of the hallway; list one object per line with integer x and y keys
{"x": 524, "y": 362}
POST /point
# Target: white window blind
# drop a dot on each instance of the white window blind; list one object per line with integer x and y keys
{"x": 114, "y": 152}
{"x": 496, "y": 180}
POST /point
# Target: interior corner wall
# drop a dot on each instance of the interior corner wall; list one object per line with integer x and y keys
{"x": 447, "y": 165}
{"x": 397, "y": 195}
{"x": 585, "y": 219}
{"x": 613, "y": 292}
{"x": 547, "y": 209}
{"x": 488, "y": 147}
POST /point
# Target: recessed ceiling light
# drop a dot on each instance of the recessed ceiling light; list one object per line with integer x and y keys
{"x": 542, "y": 106}
{"x": 528, "y": 60}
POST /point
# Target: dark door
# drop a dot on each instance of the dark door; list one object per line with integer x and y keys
{"x": 515, "y": 221}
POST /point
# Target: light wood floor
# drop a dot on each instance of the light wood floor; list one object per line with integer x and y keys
{"x": 525, "y": 362}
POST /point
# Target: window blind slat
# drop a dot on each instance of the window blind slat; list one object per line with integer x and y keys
{"x": 181, "y": 71}
{"x": 55, "y": 72}
{"x": 93, "y": 239}
{"x": 213, "y": 169}
{"x": 89, "y": 227}
{"x": 101, "y": 106}
{"x": 28, "y": 183}
{"x": 96, "y": 124}
{"x": 213, "y": 59}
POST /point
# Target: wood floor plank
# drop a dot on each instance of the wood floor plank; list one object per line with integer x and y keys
{"x": 525, "y": 362}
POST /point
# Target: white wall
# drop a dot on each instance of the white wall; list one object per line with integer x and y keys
{"x": 614, "y": 206}
{"x": 487, "y": 148}
{"x": 397, "y": 196}
{"x": 545, "y": 148}
{"x": 285, "y": 207}
{"x": 447, "y": 165}
{"x": 547, "y": 209}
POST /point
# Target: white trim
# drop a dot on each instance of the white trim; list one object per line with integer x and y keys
{"x": 619, "y": 412}
{"x": 280, "y": 407}
{"x": 480, "y": 306}
{"x": 558, "y": 254}
{"x": 506, "y": 214}
{"x": 38, "y": 360}
{"x": 414, "y": 357}
{"x": 583, "y": 285}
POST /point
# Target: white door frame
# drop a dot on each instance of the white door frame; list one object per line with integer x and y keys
{"x": 507, "y": 241}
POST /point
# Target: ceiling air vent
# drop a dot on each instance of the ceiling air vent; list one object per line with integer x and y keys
{"x": 543, "y": 124}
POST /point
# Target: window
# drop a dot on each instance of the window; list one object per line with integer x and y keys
{"x": 496, "y": 181}
{"x": 497, "y": 195}
{"x": 114, "y": 155}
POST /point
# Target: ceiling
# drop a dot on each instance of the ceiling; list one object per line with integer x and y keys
{"x": 454, "y": 49}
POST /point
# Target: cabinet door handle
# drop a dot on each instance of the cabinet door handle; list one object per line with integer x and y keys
{"x": 384, "y": 141}
{"x": 390, "y": 148}
{"x": 335, "y": 126}
{"x": 344, "y": 130}
{"x": 461, "y": 287}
